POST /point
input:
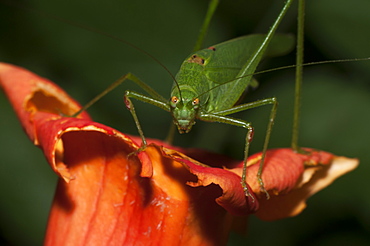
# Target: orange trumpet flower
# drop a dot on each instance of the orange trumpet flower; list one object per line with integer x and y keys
{"x": 163, "y": 196}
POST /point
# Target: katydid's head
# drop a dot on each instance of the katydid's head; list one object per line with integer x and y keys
{"x": 184, "y": 110}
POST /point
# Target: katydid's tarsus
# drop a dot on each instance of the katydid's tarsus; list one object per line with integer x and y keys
{"x": 210, "y": 83}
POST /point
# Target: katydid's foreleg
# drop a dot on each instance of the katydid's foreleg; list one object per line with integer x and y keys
{"x": 155, "y": 99}
{"x": 130, "y": 106}
{"x": 114, "y": 85}
{"x": 268, "y": 101}
{"x": 248, "y": 139}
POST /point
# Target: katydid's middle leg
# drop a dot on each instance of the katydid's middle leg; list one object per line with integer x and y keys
{"x": 219, "y": 116}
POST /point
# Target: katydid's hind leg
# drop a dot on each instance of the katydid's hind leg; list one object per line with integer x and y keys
{"x": 131, "y": 108}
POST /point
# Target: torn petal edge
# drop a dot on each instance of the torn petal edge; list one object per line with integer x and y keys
{"x": 233, "y": 198}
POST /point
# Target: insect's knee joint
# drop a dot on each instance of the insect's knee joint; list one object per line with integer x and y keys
{"x": 127, "y": 101}
{"x": 250, "y": 133}
{"x": 127, "y": 93}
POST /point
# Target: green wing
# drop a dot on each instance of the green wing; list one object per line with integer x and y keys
{"x": 229, "y": 57}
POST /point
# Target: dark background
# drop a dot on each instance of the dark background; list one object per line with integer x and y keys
{"x": 335, "y": 111}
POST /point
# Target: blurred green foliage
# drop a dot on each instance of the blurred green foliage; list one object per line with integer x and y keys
{"x": 335, "y": 111}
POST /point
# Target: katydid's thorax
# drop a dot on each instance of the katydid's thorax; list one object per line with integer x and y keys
{"x": 192, "y": 75}
{"x": 190, "y": 93}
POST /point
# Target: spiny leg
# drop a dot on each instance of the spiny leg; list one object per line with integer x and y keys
{"x": 155, "y": 99}
{"x": 247, "y": 69}
{"x": 248, "y": 140}
{"x": 268, "y": 101}
{"x": 266, "y": 143}
{"x": 130, "y": 106}
{"x": 241, "y": 123}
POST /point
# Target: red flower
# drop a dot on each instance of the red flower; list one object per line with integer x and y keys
{"x": 163, "y": 195}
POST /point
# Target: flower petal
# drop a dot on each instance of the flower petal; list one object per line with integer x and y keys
{"x": 109, "y": 202}
{"x": 30, "y": 93}
{"x": 291, "y": 178}
{"x": 160, "y": 195}
{"x": 107, "y": 196}
{"x": 233, "y": 197}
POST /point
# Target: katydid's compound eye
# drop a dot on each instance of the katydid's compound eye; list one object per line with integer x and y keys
{"x": 195, "y": 101}
{"x": 174, "y": 100}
